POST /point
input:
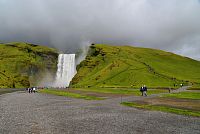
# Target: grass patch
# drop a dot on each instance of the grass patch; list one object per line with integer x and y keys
{"x": 163, "y": 109}
{"x": 123, "y": 91}
{"x": 194, "y": 88}
{"x": 65, "y": 93}
{"x": 184, "y": 95}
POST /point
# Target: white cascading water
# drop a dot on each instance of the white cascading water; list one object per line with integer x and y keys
{"x": 66, "y": 69}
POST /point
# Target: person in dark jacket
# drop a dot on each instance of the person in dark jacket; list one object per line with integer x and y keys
{"x": 144, "y": 90}
{"x": 29, "y": 90}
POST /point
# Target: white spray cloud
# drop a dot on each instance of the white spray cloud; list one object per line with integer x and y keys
{"x": 82, "y": 53}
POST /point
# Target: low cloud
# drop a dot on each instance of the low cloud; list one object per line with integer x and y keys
{"x": 68, "y": 25}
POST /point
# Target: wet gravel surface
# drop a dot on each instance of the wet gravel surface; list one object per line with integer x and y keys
{"x": 24, "y": 113}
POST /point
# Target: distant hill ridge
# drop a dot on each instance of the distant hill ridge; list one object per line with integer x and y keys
{"x": 126, "y": 66}
{"x": 24, "y": 64}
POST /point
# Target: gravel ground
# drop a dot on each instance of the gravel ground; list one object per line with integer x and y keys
{"x": 24, "y": 113}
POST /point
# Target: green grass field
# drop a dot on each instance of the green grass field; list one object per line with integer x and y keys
{"x": 68, "y": 94}
{"x": 197, "y": 87}
{"x": 184, "y": 103}
{"x": 124, "y": 66}
{"x": 122, "y": 91}
{"x": 22, "y": 64}
{"x": 184, "y": 95}
{"x": 98, "y": 93}
{"x": 163, "y": 109}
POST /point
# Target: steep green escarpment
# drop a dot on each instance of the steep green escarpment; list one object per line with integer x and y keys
{"x": 125, "y": 66}
{"x": 22, "y": 64}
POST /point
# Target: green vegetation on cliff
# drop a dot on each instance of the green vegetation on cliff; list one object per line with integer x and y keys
{"x": 126, "y": 66}
{"x": 22, "y": 64}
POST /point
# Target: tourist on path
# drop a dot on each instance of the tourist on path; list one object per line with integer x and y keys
{"x": 34, "y": 89}
{"x": 29, "y": 90}
{"x": 144, "y": 90}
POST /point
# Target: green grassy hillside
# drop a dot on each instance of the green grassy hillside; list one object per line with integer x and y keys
{"x": 22, "y": 64}
{"x": 125, "y": 66}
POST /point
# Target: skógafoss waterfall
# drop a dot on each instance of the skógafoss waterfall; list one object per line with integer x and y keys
{"x": 66, "y": 69}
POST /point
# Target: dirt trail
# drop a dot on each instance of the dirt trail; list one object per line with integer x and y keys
{"x": 137, "y": 98}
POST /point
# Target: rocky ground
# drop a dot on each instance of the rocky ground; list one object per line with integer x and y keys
{"x": 24, "y": 113}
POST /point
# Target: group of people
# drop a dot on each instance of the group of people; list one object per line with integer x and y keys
{"x": 32, "y": 89}
{"x": 143, "y": 90}
{"x": 176, "y": 85}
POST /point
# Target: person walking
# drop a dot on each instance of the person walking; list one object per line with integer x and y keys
{"x": 34, "y": 90}
{"x": 144, "y": 90}
{"x": 29, "y": 90}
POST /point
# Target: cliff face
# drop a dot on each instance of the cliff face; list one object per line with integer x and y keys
{"x": 125, "y": 66}
{"x": 22, "y": 64}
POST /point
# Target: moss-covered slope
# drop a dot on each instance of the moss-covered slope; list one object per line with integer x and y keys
{"x": 125, "y": 66}
{"x": 23, "y": 64}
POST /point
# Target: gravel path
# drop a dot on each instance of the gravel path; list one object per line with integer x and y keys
{"x": 23, "y": 113}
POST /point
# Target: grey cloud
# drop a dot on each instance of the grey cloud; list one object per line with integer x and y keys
{"x": 172, "y": 25}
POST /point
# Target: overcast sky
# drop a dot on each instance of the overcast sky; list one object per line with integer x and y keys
{"x": 172, "y": 25}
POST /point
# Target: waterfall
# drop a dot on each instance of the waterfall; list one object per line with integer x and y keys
{"x": 66, "y": 69}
